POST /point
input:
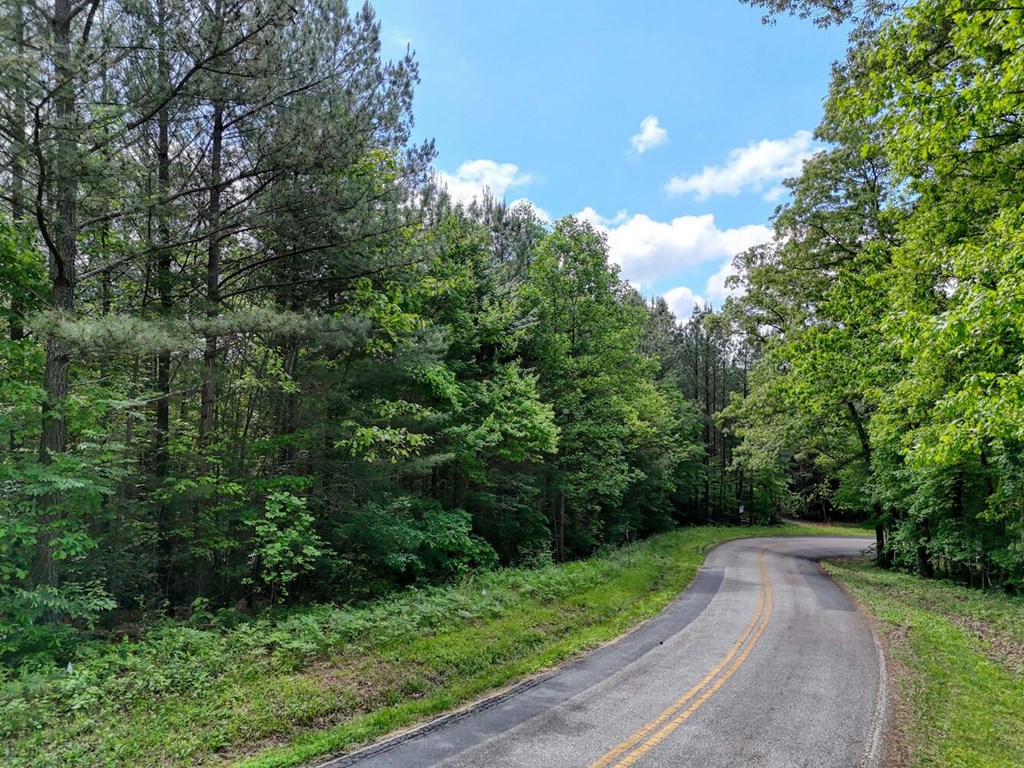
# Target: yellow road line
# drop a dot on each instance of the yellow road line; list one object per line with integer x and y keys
{"x": 760, "y": 620}
{"x": 653, "y": 741}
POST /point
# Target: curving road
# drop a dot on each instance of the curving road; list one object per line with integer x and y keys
{"x": 761, "y": 663}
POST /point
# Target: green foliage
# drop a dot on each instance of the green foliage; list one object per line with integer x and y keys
{"x": 21, "y": 273}
{"x": 826, "y": 13}
{"x": 407, "y": 539}
{"x": 288, "y": 368}
{"x": 888, "y": 307}
{"x": 52, "y": 504}
{"x": 284, "y": 544}
{"x": 518, "y": 427}
{"x": 26, "y": 635}
{"x": 618, "y": 432}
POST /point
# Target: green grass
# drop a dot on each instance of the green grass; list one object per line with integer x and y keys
{"x": 957, "y": 667}
{"x": 282, "y": 692}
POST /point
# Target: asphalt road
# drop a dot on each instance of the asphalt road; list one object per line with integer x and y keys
{"x": 761, "y": 663}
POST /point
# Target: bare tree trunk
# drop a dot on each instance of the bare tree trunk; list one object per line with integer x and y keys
{"x": 163, "y": 278}
{"x": 881, "y": 556}
{"x": 17, "y": 330}
{"x": 560, "y": 536}
{"x": 162, "y": 431}
{"x": 63, "y": 252}
{"x": 209, "y": 389}
{"x": 208, "y": 392}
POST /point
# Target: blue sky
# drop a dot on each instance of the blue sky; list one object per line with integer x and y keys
{"x": 667, "y": 124}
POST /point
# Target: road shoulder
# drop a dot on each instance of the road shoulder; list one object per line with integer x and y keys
{"x": 955, "y": 668}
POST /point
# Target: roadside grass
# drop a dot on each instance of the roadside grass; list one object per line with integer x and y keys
{"x": 858, "y": 529}
{"x": 956, "y": 666}
{"x": 282, "y": 692}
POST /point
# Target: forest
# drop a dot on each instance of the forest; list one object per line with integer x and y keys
{"x": 255, "y": 355}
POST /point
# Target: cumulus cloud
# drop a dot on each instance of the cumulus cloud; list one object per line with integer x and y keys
{"x": 756, "y": 167}
{"x": 651, "y": 135}
{"x": 681, "y": 301}
{"x": 716, "y": 289}
{"x": 474, "y": 176}
{"x": 539, "y": 212}
{"x": 648, "y": 250}
{"x": 599, "y": 221}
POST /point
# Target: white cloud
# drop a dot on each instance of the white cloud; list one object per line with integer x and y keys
{"x": 590, "y": 215}
{"x": 716, "y": 289}
{"x": 755, "y": 167}
{"x": 539, "y": 212}
{"x": 649, "y": 251}
{"x": 651, "y": 135}
{"x": 474, "y": 176}
{"x": 681, "y": 301}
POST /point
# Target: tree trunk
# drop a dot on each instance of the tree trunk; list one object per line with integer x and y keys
{"x": 560, "y": 534}
{"x": 163, "y": 267}
{"x": 17, "y": 330}
{"x": 63, "y": 252}
{"x": 882, "y": 558}
{"x": 924, "y": 562}
{"x": 209, "y": 388}
{"x": 162, "y": 427}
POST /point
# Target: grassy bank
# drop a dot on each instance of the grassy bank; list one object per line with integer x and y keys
{"x": 281, "y": 692}
{"x": 956, "y": 666}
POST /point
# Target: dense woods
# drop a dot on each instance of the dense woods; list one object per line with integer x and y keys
{"x": 887, "y": 310}
{"x": 253, "y": 354}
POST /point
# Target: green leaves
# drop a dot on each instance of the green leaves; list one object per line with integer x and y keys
{"x": 616, "y": 428}
{"x": 22, "y": 274}
{"x": 516, "y": 425}
{"x": 24, "y": 630}
{"x": 381, "y": 443}
{"x": 894, "y": 289}
{"x": 263, "y": 359}
{"x": 403, "y": 539}
{"x": 285, "y": 544}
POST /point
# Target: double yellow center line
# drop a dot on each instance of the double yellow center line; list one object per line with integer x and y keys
{"x": 641, "y": 742}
